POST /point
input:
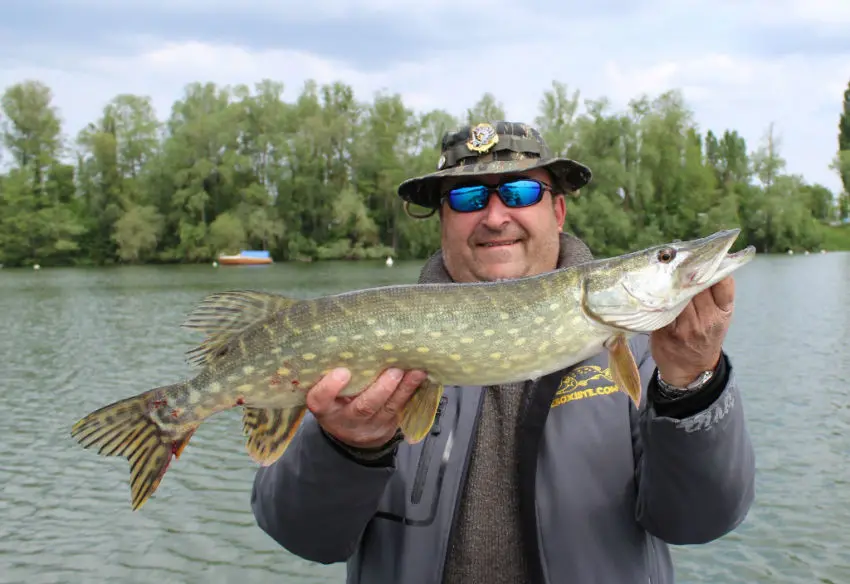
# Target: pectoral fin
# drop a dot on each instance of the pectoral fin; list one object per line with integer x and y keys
{"x": 270, "y": 431}
{"x": 623, "y": 368}
{"x": 421, "y": 409}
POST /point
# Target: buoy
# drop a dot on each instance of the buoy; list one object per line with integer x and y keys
{"x": 36, "y": 267}
{"x": 215, "y": 264}
{"x": 389, "y": 262}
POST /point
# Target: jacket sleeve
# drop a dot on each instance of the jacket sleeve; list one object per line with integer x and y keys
{"x": 316, "y": 499}
{"x": 695, "y": 461}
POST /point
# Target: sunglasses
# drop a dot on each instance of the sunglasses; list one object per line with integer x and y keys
{"x": 515, "y": 194}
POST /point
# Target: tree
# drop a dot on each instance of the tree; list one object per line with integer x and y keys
{"x": 316, "y": 176}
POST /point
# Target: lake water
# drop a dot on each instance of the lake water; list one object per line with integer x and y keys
{"x": 75, "y": 339}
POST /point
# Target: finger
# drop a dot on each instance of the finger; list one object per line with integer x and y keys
{"x": 724, "y": 293}
{"x": 373, "y": 398}
{"x": 409, "y": 383}
{"x": 685, "y": 322}
{"x": 321, "y": 399}
{"x": 704, "y": 307}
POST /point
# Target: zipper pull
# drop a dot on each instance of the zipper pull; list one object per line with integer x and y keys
{"x": 435, "y": 429}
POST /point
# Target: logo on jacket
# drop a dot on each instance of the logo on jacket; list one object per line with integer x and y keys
{"x": 583, "y": 382}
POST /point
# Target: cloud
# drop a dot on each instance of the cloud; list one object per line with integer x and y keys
{"x": 741, "y": 65}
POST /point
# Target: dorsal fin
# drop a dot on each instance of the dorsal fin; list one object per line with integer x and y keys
{"x": 224, "y": 315}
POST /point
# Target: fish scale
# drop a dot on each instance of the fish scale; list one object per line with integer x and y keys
{"x": 263, "y": 352}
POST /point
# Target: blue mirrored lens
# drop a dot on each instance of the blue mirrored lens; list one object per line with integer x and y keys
{"x": 518, "y": 193}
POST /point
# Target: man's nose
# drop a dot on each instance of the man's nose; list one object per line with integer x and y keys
{"x": 496, "y": 213}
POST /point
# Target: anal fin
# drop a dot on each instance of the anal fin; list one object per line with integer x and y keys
{"x": 418, "y": 416}
{"x": 270, "y": 431}
{"x": 623, "y": 368}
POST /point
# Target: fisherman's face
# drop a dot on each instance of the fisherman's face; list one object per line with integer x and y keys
{"x": 498, "y": 242}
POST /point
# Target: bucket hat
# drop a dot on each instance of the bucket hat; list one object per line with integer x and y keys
{"x": 492, "y": 148}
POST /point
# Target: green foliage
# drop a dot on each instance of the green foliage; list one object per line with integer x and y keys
{"x": 315, "y": 177}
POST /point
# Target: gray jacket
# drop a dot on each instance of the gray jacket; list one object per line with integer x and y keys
{"x": 603, "y": 489}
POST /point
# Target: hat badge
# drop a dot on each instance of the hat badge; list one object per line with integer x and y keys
{"x": 482, "y": 137}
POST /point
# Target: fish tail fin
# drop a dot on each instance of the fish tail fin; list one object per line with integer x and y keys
{"x": 126, "y": 428}
{"x": 624, "y": 370}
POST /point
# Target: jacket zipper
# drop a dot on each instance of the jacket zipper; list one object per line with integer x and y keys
{"x": 463, "y": 472}
{"x": 425, "y": 456}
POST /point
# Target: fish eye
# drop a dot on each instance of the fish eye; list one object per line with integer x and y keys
{"x": 666, "y": 255}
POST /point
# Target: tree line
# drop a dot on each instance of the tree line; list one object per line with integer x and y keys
{"x": 240, "y": 167}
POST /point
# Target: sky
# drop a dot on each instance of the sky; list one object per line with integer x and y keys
{"x": 741, "y": 64}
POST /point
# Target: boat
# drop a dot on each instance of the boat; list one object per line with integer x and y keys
{"x": 246, "y": 257}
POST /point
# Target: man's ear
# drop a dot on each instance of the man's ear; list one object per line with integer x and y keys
{"x": 559, "y": 206}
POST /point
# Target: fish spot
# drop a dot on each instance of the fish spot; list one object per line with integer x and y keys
{"x": 371, "y": 321}
{"x": 283, "y": 371}
{"x": 331, "y": 339}
{"x": 296, "y": 345}
{"x": 194, "y": 396}
{"x": 544, "y": 345}
{"x": 380, "y": 332}
{"x": 367, "y": 372}
{"x": 468, "y": 369}
{"x": 308, "y": 370}
{"x": 215, "y": 387}
{"x": 504, "y": 315}
{"x": 268, "y": 363}
{"x": 513, "y": 331}
{"x": 554, "y": 306}
{"x": 232, "y": 378}
{"x": 454, "y": 357}
{"x": 489, "y": 333}
{"x": 316, "y": 327}
{"x": 346, "y": 355}
{"x": 519, "y": 342}
{"x": 422, "y": 349}
{"x": 467, "y": 340}
{"x": 559, "y": 330}
{"x": 539, "y": 320}
{"x": 357, "y": 337}
{"x": 245, "y": 387}
{"x": 248, "y": 369}
{"x": 391, "y": 359}
{"x": 308, "y": 356}
{"x": 407, "y": 331}
{"x": 387, "y": 347}
{"x": 277, "y": 351}
{"x": 435, "y": 334}
{"x": 495, "y": 355}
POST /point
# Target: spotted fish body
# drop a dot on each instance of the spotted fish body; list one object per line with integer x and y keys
{"x": 263, "y": 352}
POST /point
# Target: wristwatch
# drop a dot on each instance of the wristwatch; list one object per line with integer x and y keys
{"x": 674, "y": 391}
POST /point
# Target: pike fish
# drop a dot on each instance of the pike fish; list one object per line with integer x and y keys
{"x": 263, "y": 352}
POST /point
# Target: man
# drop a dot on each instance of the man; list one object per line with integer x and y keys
{"x": 554, "y": 481}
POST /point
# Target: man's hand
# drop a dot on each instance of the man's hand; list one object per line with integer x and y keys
{"x": 369, "y": 419}
{"x": 692, "y": 343}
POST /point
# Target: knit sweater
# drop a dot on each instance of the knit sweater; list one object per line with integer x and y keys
{"x": 486, "y": 544}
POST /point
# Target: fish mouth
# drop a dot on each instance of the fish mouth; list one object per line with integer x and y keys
{"x": 709, "y": 260}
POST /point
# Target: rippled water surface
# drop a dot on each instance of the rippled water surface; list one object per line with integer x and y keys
{"x": 73, "y": 340}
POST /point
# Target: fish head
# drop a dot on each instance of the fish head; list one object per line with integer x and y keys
{"x": 646, "y": 290}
